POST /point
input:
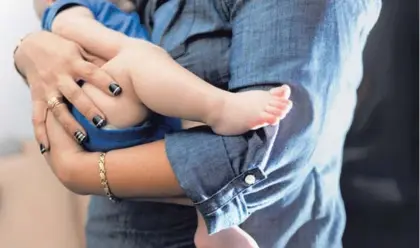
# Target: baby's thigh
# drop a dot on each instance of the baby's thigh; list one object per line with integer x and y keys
{"x": 125, "y": 110}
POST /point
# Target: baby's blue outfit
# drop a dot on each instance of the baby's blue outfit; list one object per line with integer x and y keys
{"x": 128, "y": 23}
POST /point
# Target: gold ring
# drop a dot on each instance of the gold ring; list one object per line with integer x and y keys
{"x": 54, "y": 102}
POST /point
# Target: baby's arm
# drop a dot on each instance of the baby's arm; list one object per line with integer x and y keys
{"x": 78, "y": 24}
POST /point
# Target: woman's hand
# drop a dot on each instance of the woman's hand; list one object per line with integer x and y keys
{"x": 78, "y": 170}
{"x": 52, "y": 65}
{"x": 63, "y": 148}
{"x": 64, "y": 155}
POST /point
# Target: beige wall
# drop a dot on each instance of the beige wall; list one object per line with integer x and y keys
{"x": 36, "y": 211}
{"x": 17, "y": 18}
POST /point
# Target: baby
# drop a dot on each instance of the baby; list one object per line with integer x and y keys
{"x": 156, "y": 88}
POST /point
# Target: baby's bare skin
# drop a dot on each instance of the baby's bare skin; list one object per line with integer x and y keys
{"x": 125, "y": 5}
{"x": 121, "y": 112}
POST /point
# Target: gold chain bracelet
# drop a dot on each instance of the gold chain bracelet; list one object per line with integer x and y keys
{"x": 104, "y": 180}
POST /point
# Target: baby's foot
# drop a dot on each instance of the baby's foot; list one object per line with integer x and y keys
{"x": 250, "y": 110}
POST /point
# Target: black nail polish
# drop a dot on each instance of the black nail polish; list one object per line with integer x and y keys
{"x": 98, "y": 121}
{"x": 42, "y": 148}
{"x": 80, "y": 137}
{"x": 115, "y": 89}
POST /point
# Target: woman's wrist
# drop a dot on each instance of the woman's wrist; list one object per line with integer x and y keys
{"x": 82, "y": 179}
{"x": 80, "y": 174}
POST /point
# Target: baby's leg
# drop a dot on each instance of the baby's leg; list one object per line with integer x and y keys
{"x": 123, "y": 111}
{"x": 116, "y": 108}
{"x": 233, "y": 237}
{"x": 175, "y": 91}
{"x": 78, "y": 24}
{"x": 169, "y": 89}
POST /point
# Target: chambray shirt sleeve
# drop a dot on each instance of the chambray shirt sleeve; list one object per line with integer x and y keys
{"x": 302, "y": 43}
{"x": 51, "y": 12}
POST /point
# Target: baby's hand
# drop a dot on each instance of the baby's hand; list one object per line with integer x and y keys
{"x": 125, "y": 5}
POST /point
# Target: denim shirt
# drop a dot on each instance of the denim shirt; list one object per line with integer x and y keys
{"x": 281, "y": 183}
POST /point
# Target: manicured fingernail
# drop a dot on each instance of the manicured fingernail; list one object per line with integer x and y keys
{"x": 80, "y": 137}
{"x": 42, "y": 148}
{"x": 115, "y": 89}
{"x": 98, "y": 121}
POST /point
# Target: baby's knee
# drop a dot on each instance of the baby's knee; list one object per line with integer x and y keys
{"x": 121, "y": 112}
{"x": 125, "y": 113}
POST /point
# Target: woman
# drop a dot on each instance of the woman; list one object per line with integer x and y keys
{"x": 239, "y": 45}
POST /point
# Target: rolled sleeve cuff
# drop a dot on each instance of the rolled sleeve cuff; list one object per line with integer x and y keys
{"x": 202, "y": 166}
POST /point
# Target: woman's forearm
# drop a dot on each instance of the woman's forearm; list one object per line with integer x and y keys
{"x": 140, "y": 171}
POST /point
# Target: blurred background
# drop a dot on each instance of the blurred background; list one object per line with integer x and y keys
{"x": 380, "y": 178}
{"x": 36, "y": 211}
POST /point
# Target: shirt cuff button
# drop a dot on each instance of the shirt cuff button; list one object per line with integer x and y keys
{"x": 250, "y": 179}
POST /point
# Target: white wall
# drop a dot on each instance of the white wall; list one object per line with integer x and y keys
{"x": 17, "y": 18}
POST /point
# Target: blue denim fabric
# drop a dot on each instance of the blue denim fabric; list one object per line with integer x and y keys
{"x": 280, "y": 183}
{"x": 110, "y": 139}
{"x": 315, "y": 47}
{"x": 128, "y": 23}
{"x": 103, "y": 11}
{"x": 132, "y": 224}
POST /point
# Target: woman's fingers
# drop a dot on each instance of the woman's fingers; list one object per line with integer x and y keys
{"x": 67, "y": 121}
{"x": 117, "y": 70}
{"x": 61, "y": 144}
{"x": 51, "y": 63}
{"x": 59, "y": 139}
{"x": 99, "y": 62}
{"x": 97, "y": 77}
{"x": 75, "y": 95}
{"x": 39, "y": 116}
